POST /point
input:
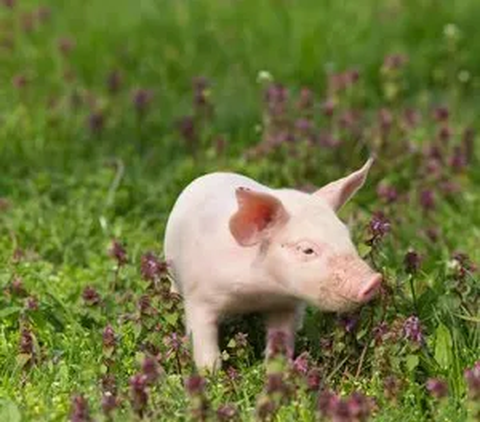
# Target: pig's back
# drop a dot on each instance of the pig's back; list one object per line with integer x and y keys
{"x": 197, "y": 236}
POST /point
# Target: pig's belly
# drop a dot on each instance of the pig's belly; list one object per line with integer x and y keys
{"x": 241, "y": 299}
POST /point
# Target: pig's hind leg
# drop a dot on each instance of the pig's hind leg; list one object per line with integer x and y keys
{"x": 202, "y": 327}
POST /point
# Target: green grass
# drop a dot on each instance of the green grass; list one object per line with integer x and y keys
{"x": 69, "y": 192}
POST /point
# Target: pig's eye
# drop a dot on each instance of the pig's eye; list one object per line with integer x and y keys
{"x": 306, "y": 249}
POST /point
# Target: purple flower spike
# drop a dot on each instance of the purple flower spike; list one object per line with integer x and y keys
{"x": 195, "y": 385}
{"x": 80, "y": 412}
{"x": 109, "y": 339}
{"x": 472, "y": 377}
{"x": 412, "y": 262}
{"x": 437, "y": 388}
{"x": 138, "y": 394}
{"x": 413, "y": 330}
{"x": 118, "y": 252}
{"x": 90, "y": 296}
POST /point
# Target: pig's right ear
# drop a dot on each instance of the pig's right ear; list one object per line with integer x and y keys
{"x": 258, "y": 215}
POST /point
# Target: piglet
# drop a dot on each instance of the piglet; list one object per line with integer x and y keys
{"x": 236, "y": 246}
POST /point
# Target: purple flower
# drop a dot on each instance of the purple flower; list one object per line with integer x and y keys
{"x": 66, "y": 45}
{"x": 19, "y": 81}
{"x": 232, "y": 374}
{"x": 412, "y": 329}
{"x": 412, "y": 262}
{"x": 109, "y": 384}
{"x": 187, "y": 129}
{"x": 96, "y": 122}
{"x": 17, "y": 287}
{"x": 109, "y": 339}
{"x": 427, "y": 200}
{"x": 348, "y": 119}
{"x": 90, "y": 296}
{"x": 326, "y": 344}
{"x": 144, "y": 305}
{"x": 301, "y": 363}
{"x": 379, "y": 226}
{"x": 445, "y": 133}
{"x": 138, "y": 394}
{"x": 314, "y": 379}
{"x": 379, "y": 332}
{"x": 472, "y": 377}
{"x": 441, "y": 114}
{"x": 79, "y": 412}
{"x": 195, "y": 385}
{"x": 151, "y": 267}
{"x": 328, "y": 107}
{"x": 437, "y": 388}
{"x": 227, "y": 412}
{"x": 142, "y": 99}
{"x": 109, "y": 403}
{"x": 304, "y": 127}
{"x": 432, "y": 233}
{"x": 9, "y": 3}
{"x": 358, "y": 407}
{"x": 26, "y": 342}
{"x": 305, "y": 100}
{"x": 349, "y": 322}
{"x": 114, "y": 81}
{"x": 327, "y": 402}
{"x": 387, "y": 193}
{"x": 458, "y": 161}
{"x": 118, "y": 252}
{"x": 151, "y": 370}
{"x": 412, "y": 117}
{"x": 385, "y": 119}
{"x": 31, "y": 303}
{"x": 276, "y": 99}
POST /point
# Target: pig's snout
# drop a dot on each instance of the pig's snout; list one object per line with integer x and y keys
{"x": 371, "y": 288}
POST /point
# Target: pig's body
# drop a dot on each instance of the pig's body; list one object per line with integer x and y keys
{"x": 237, "y": 246}
{"x": 208, "y": 265}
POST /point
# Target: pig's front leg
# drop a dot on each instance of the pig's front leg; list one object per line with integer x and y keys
{"x": 202, "y": 327}
{"x": 281, "y": 326}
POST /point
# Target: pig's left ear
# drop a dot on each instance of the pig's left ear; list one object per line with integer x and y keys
{"x": 259, "y": 214}
{"x": 338, "y": 193}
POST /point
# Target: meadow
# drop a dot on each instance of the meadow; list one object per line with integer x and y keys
{"x": 109, "y": 108}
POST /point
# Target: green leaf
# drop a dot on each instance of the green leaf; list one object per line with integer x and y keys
{"x": 9, "y": 311}
{"x": 364, "y": 250}
{"x": 443, "y": 346}
{"x": 412, "y": 362}
{"x": 171, "y": 318}
{"x": 9, "y": 411}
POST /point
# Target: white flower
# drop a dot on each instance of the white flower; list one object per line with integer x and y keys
{"x": 464, "y": 76}
{"x": 451, "y": 31}
{"x": 264, "y": 76}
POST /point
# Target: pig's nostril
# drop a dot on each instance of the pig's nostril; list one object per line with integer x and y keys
{"x": 370, "y": 288}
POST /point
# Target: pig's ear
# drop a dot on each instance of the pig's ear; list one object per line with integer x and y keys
{"x": 258, "y": 215}
{"x": 337, "y": 193}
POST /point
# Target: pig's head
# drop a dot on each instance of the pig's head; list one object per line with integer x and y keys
{"x": 304, "y": 245}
